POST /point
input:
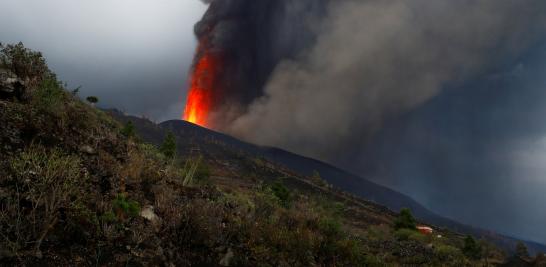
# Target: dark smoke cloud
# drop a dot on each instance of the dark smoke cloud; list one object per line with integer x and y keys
{"x": 252, "y": 37}
{"x": 438, "y": 99}
{"x": 375, "y": 59}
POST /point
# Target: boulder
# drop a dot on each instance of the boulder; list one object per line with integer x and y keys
{"x": 148, "y": 213}
{"x": 10, "y": 84}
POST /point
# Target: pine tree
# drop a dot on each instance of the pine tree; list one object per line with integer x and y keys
{"x": 168, "y": 148}
{"x": 405, "y": 220}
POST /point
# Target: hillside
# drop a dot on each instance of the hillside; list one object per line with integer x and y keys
{"x": 215, "y": 145}
{"x": 79, "y": 188}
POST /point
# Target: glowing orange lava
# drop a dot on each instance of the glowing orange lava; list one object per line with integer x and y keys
{"x": 202, "y": 82}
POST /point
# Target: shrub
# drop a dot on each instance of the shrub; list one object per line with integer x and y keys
{"x": 405, "y": 234}
{"x": 92, "y": 99}
{"x": 405, "y": 220}
{"x": 128, "y": 130}
{"x": 379, "y": 233}
{"x": 124, "y": 207}
{"x": 282, "y": 194}
{"x": 50, "y": 97}
{"x": 49, "y": 181}
{"x": 447, "y": 253}
{"x": 329, "y": 227}
{"x": 521, "y": 250}
{"x": 471, "y": 248}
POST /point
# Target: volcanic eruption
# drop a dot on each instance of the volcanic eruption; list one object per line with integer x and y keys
{"x": 240, "y": 44}
{"x": 335, "y": 79}
{"x": 203, "y": 81}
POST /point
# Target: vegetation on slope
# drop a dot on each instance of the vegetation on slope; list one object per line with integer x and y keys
{"x": 78, "y": 188}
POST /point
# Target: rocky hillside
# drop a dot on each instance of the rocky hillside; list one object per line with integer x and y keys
{"x": 78, "y": 188}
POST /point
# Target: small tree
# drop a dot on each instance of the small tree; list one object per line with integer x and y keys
{"x": 168, "y": 148}
{"x": 471, "y": 248}
{"x": 93, "y": 100}
{"x": 405, "y": 220}
{"x": 521, "y": 250}
{"x": 282, "y": 194}
{"x": 128, "y": 130}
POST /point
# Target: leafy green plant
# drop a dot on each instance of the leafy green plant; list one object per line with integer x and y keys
{"x": 124, "y": 207}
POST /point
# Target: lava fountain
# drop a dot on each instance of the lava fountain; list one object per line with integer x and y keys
{"x": 203, "y": 83}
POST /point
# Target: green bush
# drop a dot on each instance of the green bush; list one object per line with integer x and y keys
{"x": 329, "y": 227}
{"x": 405, "y": 220}
{"x": 108, "y": 217}
{"x": 124, "y": 207}
{"x": 128, "y": 130}
{"x": 282, "y": 194}
{"x": 471, "y": 248}
{"x": 50, "y": 97}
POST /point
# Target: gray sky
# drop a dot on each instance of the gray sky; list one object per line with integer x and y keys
{"x": 133, "y": 54}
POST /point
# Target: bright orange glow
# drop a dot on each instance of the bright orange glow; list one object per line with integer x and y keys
{"x": 202, "y": 82}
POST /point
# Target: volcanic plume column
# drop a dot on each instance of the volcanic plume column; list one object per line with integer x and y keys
{"x": 204, "y": 79}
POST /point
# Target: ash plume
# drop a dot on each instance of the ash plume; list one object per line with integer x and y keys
{"x": 376, "y": 59}
{"x": 250, "y": 38}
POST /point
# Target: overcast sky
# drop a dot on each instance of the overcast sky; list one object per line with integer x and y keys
{"x": 133, "y": 54}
